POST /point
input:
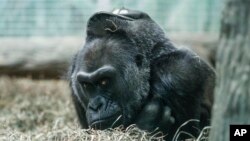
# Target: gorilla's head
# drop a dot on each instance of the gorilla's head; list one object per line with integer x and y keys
{"x": 110, "y": 74}
{"x": 112, "y": 79}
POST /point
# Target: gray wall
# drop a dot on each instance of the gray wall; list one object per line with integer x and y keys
{"x": 69, "y": 17}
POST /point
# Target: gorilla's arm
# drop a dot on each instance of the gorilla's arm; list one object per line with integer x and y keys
{"x": 178, "y": 81}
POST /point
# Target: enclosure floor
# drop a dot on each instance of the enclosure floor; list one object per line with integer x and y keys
{"x": 42, "y": 110}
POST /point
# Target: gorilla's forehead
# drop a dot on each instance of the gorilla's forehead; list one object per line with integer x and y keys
{"x": 111, "y": 51}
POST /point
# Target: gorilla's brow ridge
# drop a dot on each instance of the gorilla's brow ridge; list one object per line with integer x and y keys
{"x": 93, "y": 76}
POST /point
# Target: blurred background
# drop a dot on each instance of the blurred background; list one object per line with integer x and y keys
{"x": 26, "y": 18}
{"x": 39, "y": 37}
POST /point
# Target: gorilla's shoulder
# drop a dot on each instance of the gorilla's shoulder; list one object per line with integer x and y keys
{"x": 181, "y": 58}
{"x": 180, "y": 71}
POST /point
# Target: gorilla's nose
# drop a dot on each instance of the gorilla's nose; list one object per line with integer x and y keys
{"x": 97, "y": 104}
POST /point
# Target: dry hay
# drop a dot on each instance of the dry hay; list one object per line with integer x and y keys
{"x": 42, "y": 110}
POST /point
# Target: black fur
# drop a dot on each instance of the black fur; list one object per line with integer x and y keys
{"x": 153, "y": 84}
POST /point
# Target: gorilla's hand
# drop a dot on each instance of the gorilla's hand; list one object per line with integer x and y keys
{"x": 157, "y": 114}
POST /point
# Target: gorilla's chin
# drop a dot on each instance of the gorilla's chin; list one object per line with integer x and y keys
{"x": 109, "y": 122}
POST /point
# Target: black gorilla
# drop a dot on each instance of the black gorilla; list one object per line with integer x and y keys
{"x": 128, "y": 72}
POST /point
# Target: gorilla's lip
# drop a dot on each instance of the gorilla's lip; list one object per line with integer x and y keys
{"x": 106, "y": 121}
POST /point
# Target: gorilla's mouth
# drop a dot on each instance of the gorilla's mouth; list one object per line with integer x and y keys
{"x": 107, "y": 122}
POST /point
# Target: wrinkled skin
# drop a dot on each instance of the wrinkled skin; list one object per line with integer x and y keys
{"x": 128, "y": 72}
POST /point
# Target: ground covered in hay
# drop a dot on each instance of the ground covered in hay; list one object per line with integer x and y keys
{"x": 42, "y": 110}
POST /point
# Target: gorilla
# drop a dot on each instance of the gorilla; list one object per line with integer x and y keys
{"x": 128, "y": 72}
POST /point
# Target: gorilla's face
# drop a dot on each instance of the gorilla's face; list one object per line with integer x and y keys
{"x": 111, "y": 82}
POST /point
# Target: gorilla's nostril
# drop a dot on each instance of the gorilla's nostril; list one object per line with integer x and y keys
{"x": 96, "y": 107}
{"x": 96, "y": 104}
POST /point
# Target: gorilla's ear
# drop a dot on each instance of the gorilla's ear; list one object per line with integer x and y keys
{"x": 102, "y": 23}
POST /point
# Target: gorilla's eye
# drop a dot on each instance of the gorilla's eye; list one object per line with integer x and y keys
{"x": 86, "y": 85}
{"x": 103, "y": 82}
